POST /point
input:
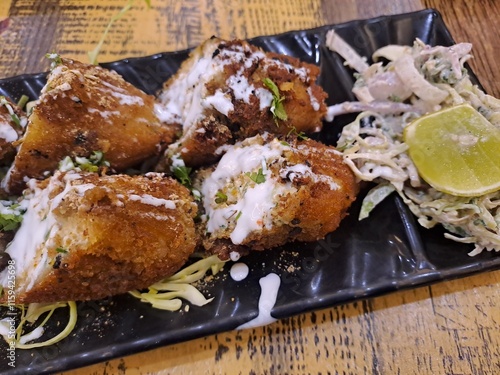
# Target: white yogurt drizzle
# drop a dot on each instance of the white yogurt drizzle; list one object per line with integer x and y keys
{"x": 254, "y": 202}
{"x": 251, "y": 211}
{"x": 269, "y": 293}
{"x": 7, "y": 132}
{"x": 29, "y": 248}
{"x": 239, "y": 271}
{"x": 152, "y": 201}
{"x": 185, "y": 100}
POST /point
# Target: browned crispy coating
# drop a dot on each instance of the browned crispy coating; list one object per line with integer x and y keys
{"x": 308, "y": 212}
{"x": 118, "y": 236}
{"x": 85, "y": 108}
{"x": 9, "y": 127}
{"x": 239, "y": 84}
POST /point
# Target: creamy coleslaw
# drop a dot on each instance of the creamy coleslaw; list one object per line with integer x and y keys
{"x": 404, "y": 83}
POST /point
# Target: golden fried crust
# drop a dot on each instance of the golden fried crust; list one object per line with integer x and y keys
{"x": 116, "y": 242}
{"x": 321, "y": 208}
{"x": 85, "y": 108}
{"x": 315, "y": 210}
{"x": 212, "y": 134}
{"x": 248, "y": 117}
{"x": 307, "y": 214}
{"x": 302, "y": 99}
{"x": 7, "y": 148}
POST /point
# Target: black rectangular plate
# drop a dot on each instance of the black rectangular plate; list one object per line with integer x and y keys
{"x": 384, "y": 253}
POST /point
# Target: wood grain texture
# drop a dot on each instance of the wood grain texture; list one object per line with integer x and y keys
{"x": 448, "y": 328}
{"x": 476, "y": 21}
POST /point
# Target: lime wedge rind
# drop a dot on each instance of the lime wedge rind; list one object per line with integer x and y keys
{"x": 455, "y": 150}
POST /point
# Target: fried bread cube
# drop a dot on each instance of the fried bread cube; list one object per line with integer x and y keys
{"x": 85, "y": 108}
{"x": 265, "y": 192}
{"x": 86, "y": 236}
{"x": 230, "y": 90}
{"x": 12, "y": 123}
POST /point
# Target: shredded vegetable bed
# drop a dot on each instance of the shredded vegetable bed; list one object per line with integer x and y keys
{"x": 29, "y": 321}
{"x": 405, "y": 84}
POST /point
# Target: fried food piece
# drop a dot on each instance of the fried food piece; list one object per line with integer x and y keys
{"x": 86, "y": 237}
{"x": 85, "y": 108}
{"x": 220, "y": 95}
{"x": 265, "y": 192}
{"x": 12, "y": 123}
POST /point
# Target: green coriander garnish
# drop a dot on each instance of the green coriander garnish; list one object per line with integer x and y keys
{"x": 10, "y": 221}
{"x": 220, "y": 197}
{"x": 54, "y": 58}
{"x": 277, "y": 108}
{"x": 238, "y": 215}
{"x": 257, "y": 177}
{"x": 15, "y": 119}
{"x": 300, "y": 135}
{"x": 22, "y": 101}
{"x": 61, "y": 250}
{"x": 182, "y": 173}
{"x": 92, "y": 163}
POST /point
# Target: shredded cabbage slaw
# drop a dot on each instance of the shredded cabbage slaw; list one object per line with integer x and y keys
{"x": 165, "y": 295}
{"x": 410, "y": 82}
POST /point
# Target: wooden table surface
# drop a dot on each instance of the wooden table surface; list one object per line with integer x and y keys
{"x": 448, "y": 328}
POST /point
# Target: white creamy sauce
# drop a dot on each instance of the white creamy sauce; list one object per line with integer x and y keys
{"x": 164, "y": 115}
{"x": 185, "y": 100}
{"x": 7, "y": 132}
{"x": 240, "y": 86}
{"x": 152, "y": 201}
{"x": 127, "y": 99}
{"x": 220, "y": 101}
{"x": 104, "y": 114}
{"x": 5, "y": 325}
{"x": 239, "y": 271}
{"x": 182, "y": 102}
{"x": 64, "y": 86}
{"x": 251, "y": 211}
{"x": 29, "y": 247}
{"x": 265, "y": 98}
{"x": 269, "y": 292}
{"x": 314, "y": 102}
{"x": 33, "y": 335}
{"x": 6, "y": 179}
{"x": 234, "y": 256}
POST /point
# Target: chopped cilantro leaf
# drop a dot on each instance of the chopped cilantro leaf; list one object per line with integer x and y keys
{"x": 257, "y": 177}
{"x": 55, "y": 59}
{"x": 220, "y": 197}
{"x": 61, "y": 250}
{"x": 284, "y": 143}
{"x": 300, "y": 135}
{"x": 277, "y": 108}
{"x": 90, "y": 164}
{"x": 15, "y": 119}
{"x": 182, "y": 173}
{"x": 238, "y": 215}
{"x": 10, "y": 221}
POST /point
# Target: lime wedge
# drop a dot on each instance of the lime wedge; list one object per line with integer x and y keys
{"x": 456, "y": 150}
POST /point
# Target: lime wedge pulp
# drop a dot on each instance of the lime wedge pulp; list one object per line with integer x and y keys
{"x": 456, "y": 150}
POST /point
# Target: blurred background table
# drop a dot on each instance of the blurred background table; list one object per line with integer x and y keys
{"x": 448, "y": 328}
